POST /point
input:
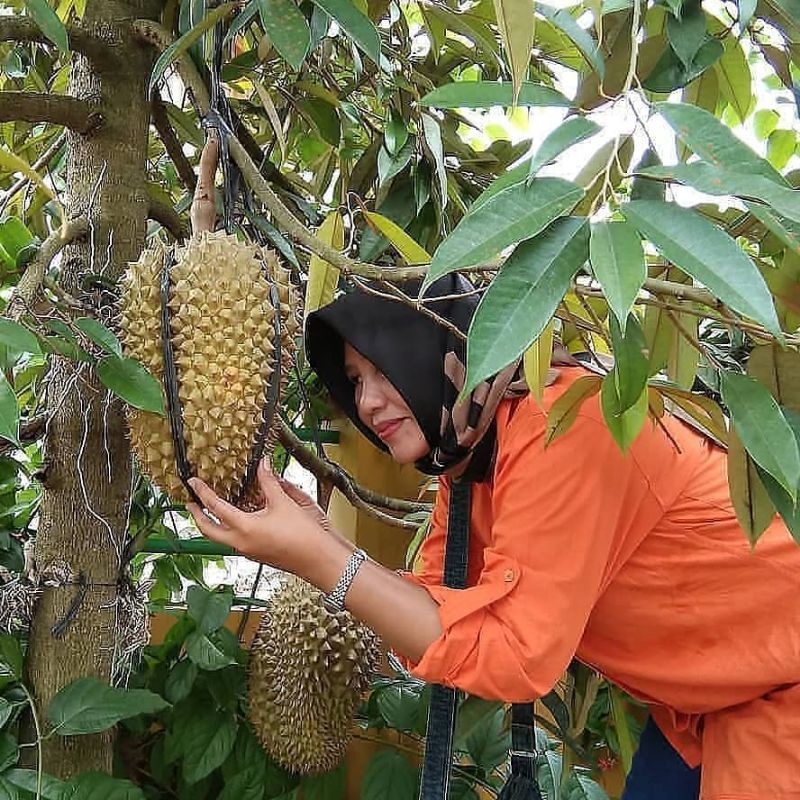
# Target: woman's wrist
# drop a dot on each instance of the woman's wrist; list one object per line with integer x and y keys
{"x": 325, "y": 562}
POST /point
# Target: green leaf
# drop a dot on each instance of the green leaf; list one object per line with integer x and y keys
{"x": 180, "y": 680}
{"x": 89, "y": 705}
{"x": 435, "y": 146}
{"x": 523, "y": 297}
{"x": 27, "y": 780}
{"x": 411, "y": 252}
{"x": 780, "y": 147}
{"x": 207, "y": 653}
{"x": 49, "y": 23}
{"x": 389, "y": 165}
{"x": 489, "y": 743}
{"x": 132, "y": 382}
{"x": 631, "y": 362}
{"x": 327, "y": 786}
{"x": 99, "y": 334}
{"x": 485, "y": 94}
{"x": 245, "y": 770}
{"x": 287, "y": 29}
{"x": 688, "y": 33}
{"x": 9, "y": 751}
{"x": 18, "y": 337}
{"x": 625, "y": 426}
{"x": 181, "y": 45}
{"x": 617, "y": 257}
{"x": 765, "y": 120}
{"x": 400, "y": 704}
{"x": 779, "y": 497}
{"x": 763, "y": 429}
{"x": 208, "y": 609}
{"x": 520, "y": 212}
{"x": 99, "y": 786}
{"x": 389, "y": 776}
{"x": 720, "y": 181}
{"x": 705, "y": 135}
{"x": 6, "y": 711}
{"x": 735, "y": 81}
{"x": 356, "y": 25}
{"x": 569, "y": 133}
{"x": 581, "y": 787}
{"x": 549, "y": 774}
{"x": 708, "y": 254}
{"x": 9, "y": 412}
{"x": 206, "y": 740}
{"x": 14, "y": 237}
{"x": 8, "y": 791}
{"x": 746, "y": 10}
{"x": 579, "y": 37}
{"x": 670, "y": 73}
{"x": 516, "y": 23}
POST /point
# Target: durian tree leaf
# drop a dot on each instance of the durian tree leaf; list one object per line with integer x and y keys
{"x": 412, "y": 253}
{"x": 523, "y": 297}
{"x": 536, "y": 361}
{"x": 181, "y": 679}
{"x": 389, "y": 165}
{"x": 10, "y": 656}
{"x": 549, "y": 773}
{"x": 708, "y": 254}
{"x": 763, "y": 428}
{"x": 389, "y": 776}
{"x": 485, "y": 94}
{"x": 245, "y": 769}
{"x": 18, "y": 338}
{"x": 100, "y": 335}
{"x": 625, "y": 424}
{"x": 509, "y": 178}
{"x": 329, "y": 784}
{"x": 473, "y": 713}
{"x": 746, "y": 10}
{"x": 579, "y": 37}
{"x": 205, "y": 740}
{"x": 631, "y": 363}
{"x": 129, "y": 380}
{"x": 400, "y": 704}
{"x": 9, "y": 412}
{"x": 207, "y": 653}
{"x": 99, "y": 786}
{"x": 786, "y": 230}
{"x": 323, "y": 278}
{"x": 780, "y": 502}
{"x": 735, "y": 80}
{"x": 49, "y": 23}
{"x": 9, "y": 751}
{"x": 581, "y": 787}
{"x": 27, "y": 780}
{"x": 89, "y": 705}
{"x": 720, "y": 181}
{"x": 516, "y": 21}
{"x": 779, "y": 371}
{"x": 287, "y": 29}
{"x": 617, "y": 258}
{"x": 355, "y": 24}
{"x": 705, "y": 135}
{"x": 15, "y": 237}
{"x": 565, "y": 409}
{"x": 488, "y": 744}
{"x": 517, "y": 213}
{"x": 432, "y": 140}
{"x": 687, "y": 32}
{"x": 208, "y": 609}
{"x": 569, "y": 133}
{"x": 182, "y": 44}
{"x": 701, "y": 408}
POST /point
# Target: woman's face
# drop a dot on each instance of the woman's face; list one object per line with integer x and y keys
{"x": 382, "y": 409}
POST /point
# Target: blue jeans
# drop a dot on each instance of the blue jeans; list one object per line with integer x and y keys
{"x": 658, "y": 772}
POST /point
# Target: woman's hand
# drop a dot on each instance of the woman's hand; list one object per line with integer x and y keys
{"x": 287, "y": 533}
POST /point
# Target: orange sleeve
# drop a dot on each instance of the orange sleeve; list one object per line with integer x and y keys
{"x": 560, "y": 517}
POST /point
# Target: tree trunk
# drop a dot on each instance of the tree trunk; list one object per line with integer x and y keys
{"x": 87, "y": 476}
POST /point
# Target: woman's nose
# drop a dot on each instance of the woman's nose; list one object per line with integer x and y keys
{"x": 371, "y": 397}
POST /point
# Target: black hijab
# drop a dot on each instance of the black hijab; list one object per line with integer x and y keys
{"x": 423, "y": 360}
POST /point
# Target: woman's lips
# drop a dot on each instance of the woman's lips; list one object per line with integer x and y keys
{"x": 388, "y": 429}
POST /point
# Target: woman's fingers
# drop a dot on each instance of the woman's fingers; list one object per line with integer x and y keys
{"x": 222, "y": 510}
{"x": 270, "y": 485}
{"x": 295, "y": 493}
{"x": 209, "y": 528}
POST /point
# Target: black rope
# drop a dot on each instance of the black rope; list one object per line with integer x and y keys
{"x": 174, "y": 410}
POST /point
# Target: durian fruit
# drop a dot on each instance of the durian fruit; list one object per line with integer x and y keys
{"x": 308, "y": 669}
{"x": 222, "y": 323}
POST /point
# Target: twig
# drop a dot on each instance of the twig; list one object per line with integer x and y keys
{"x": 40, "y": 162}
{"x": 168, "y": 217}
{"x": 23, "y": 29}
{"x": 78, "y": 115}
{"x": 30, "y": 283}
{"x": 359, "y": 496}
{"x": 172, "y": 144}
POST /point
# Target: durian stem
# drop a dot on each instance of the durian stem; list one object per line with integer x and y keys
{"x": 363, "y": 499}
{"x": 31, "y": 282}
{"x": 204, "y": 212}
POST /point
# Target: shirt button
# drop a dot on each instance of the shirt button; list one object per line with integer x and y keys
{"x": 509, "y": 576}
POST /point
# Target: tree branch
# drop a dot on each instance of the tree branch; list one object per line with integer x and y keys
{"x": 31, "y": 282}
{"x": 172, "y": 144}
{"x": 58, "y": 109}
{"x": 169, "y": 218}
{"x": 23, "y": 29}
{"x": 40, "y": 162}
{"x": 360, "y": 497}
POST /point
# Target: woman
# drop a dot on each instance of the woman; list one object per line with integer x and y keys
{"x": 633, "y": 563}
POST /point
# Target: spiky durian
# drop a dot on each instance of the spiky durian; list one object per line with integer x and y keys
{"x": 308, "y": 669}
{"x": 222, "y": 323}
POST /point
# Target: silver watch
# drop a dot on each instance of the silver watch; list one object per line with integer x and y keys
{"x": 334, "y": 600}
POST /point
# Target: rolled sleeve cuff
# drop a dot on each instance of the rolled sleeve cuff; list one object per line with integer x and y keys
{"x": 461, "y": 614}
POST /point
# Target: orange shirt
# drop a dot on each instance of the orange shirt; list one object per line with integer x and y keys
{"x": 636, "y": 565}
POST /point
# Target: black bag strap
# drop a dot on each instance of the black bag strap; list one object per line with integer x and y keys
{"x": 442, "y": 710}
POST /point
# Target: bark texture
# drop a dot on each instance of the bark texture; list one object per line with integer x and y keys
{"x": 87, "y": 475}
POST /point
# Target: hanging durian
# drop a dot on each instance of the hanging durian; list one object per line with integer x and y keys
{"x": 223, "y": 333}
{"x": 308, "y": 669}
